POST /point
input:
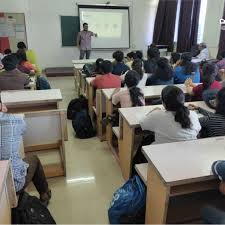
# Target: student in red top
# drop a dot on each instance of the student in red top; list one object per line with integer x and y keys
{"x": 107, "y": 80}
{"x": 23, "y": 62}
{"x": 208, "y": 81}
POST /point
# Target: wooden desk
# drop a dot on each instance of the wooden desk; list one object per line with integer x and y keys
{"x": 150, "y": 92}
{"x": 45, "y": 136}
{"x": 29, "y": 100}
{"x": 90, "y": 96}
{"x": 129, "y": 122}
{"x": 177, "y": 169}
{"x": 8, "y": 197}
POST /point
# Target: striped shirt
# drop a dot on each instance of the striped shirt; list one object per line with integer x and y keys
{"x": 213, "y": 124}
{"x": 11, "y": 130}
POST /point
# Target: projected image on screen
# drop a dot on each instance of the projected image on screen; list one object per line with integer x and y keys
{"x": 111, "y": 25}
{"x": 106, "y": 25}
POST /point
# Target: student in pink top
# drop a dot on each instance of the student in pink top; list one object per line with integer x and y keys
{"x": 132, "y": 96}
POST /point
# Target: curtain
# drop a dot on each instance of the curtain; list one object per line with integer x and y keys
{"x": 4, "y": 41}
{"x": 188, "y": 25}
{"x": 165, "y": 23}
{"x": 222, "y": 39}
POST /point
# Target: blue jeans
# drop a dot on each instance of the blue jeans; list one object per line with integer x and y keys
{"x": 213, "y": 216}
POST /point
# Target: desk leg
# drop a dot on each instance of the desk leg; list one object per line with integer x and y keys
{"x": 126, "y": 147}
{"x": 157, "y": 198}
{"x": 90, "y": 95}
{"x": 109, "y": 111}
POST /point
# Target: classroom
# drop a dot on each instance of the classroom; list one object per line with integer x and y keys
{"x": 112, "y": 112}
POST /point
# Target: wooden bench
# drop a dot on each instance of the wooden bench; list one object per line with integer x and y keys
{"x": 31, "y": 100}
{"x": 129, "y": 124}
{"x": 180, "y": 169}
{"x": 44, "y": 136}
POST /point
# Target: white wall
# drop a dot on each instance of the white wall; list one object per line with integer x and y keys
{"x": 212, "y": 25}
{"x": 44, "y": 32}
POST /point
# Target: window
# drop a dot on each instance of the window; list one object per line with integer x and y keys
{"x": 202, "y": 17}
{"x": 177, "y": 21}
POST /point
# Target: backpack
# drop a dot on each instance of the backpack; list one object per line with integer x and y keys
{"x": 89, "y": 69}
{"x": 82, "y": 125}
{"x": 30, "y": 210}
{"x": 128, "y": 203}
{"x": 42, "y": 83}
{"x": 76, "y": 105}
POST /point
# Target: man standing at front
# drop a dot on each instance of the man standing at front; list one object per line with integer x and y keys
{"x": 84, "y": 41}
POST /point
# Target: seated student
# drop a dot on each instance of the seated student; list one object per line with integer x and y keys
{"x": 98, "y": 63}
{"x": 139, "y": 55}
{"x": 163, "y": 74}
{"x": 222, "y": 77}
{"x": 119, "y": 67}
{"x": 186, "y": 69}
{"x": 204, "y": 52}
{"x": 213, "y": 124}
{"x": 153, "y": 56}
{"x": 1, "y": 57}
{"x": 221, "y": 63}
{"x": 22, "y": 57}
{"x": 132, "y": 96}
{"x": 107, "y": 80}
{"x": 24, "y": 171}
{"x": 212, "y": 215}
{"x": 208, "y": 81}
{"x": 137, "y": 66}
{"x": 7, "y": 52}
{"x": 31, "y": 55}
{"x": 176, "y": 122}
{"x": 12, "y": 78}
{"x": 175, "y": 59}
{"x": 131, "y": 56}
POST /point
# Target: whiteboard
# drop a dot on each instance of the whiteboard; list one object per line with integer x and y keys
{"x": 111, "y": 23}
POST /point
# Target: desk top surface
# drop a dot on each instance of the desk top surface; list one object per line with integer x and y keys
{"x": 133, "y": 115}
{"x": 149, "y": 91}
{"x": 89, "y": 79}
{"x": 31, "y": 96}
{"x": 186, "y": 162}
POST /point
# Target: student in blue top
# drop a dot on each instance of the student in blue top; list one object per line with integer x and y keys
{"x": 186, "y": 69}
{"x": 119, "y": 67}
{"x": 163, "y": 74}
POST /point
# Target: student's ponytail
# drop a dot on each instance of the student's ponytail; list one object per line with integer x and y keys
{"x": 132, "y": 79}
{"x": 136, "y": 95}
{"x": 182, "y": 116}
{"x": 173, "y": 98}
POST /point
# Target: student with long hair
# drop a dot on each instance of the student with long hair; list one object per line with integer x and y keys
{"x": 186, "y": 69}
{"x": 131, "y": 56}
{"x": 153, "y": 56}
{"x": 208, "y": 81}
{"x": 132, "y": 96}
{"x": 213, "y": 124}
{"x": 176, "y": 122}
{"x": 163, "y": 74}
{"x": 137, "y": 66}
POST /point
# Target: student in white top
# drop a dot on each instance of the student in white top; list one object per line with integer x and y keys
{"x": 174, "y": 124}
{"x": 137, "y": 66}
{"x": 204, "y": 52}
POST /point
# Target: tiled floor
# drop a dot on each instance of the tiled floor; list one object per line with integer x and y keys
{"x": 93, "y": 175}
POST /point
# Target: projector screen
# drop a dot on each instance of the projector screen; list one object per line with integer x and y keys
{"x": 111, "y": 24}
